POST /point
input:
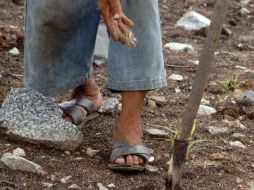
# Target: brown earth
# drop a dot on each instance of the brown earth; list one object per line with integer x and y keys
{"x": 203, "y": 171}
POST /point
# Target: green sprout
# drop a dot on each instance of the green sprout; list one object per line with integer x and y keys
{"x": 229, "y": 84}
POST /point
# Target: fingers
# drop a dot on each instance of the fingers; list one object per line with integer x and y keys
{"x": 117, "y": 23}
{"x": 115, "y": 8}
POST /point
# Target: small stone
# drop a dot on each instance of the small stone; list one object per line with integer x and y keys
{"x": 67, "y": 152}
{"x": 151, "y": 169}
{"x": 66, "y": 179}
{"x": 239, "y": 136}
{"x": 47, "y": 185}
{"x": 249, "y": 95}
{"x": 101, "y": 186}
{"x": 19, "y": 163}
{"x": 175, "y": 77}
{"x": 178, "y": 47}
{"x": 240, "y": 67}
{"x": 158, "y": 99}
{"x": 195, "y": 62}
{"x": 205, "y": 102}
{"x": 239, "y": 180}
{"x": 243, "y": 11}
{"x": 19, "y": 152}
{"x": 178, "y": 90}
{"x": 193, "y": 21}
{"x": 206, "y": 110}
{"x": 1, "y": 76}
{"x": 235, "y": 124}
{"x": 238, "y": 94}
{"x": 237, "y": 144}
{"x": 151, "y": 104}
{"x": 90, "y": 152}
{"x": 156, "y": 132}
{"x": 14, "y": 51}
{"x": 151, "y": 159}
{"x": 74, "y": 186}
{"x": 109, "y": 105}
{"x": 217, "y": 130}
{"x": 216, "y": 156}
{"x": 111, "y": 185}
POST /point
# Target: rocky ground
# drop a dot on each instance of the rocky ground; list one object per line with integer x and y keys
{"x": 222, "y": 156}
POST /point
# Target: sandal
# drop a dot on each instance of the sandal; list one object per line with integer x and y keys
{"x": 73, "y": 110}
{"x": 124, "y": 149}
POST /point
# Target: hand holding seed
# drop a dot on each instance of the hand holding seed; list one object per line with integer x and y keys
{"x": 117, "y": 23}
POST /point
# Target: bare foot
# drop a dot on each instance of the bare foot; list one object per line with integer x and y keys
{"x": 88, "y": 90}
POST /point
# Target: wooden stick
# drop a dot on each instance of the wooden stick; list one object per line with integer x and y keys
{"x": 205, "y": 61}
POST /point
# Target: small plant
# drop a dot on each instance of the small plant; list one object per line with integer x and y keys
{"x": 229, "y": 84}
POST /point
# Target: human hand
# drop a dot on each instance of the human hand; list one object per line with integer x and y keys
{"x": 117, "y": 23}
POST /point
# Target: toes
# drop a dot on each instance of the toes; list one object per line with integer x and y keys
{"x": 120, "y": 160}
{"x": 141, "y": 160}
{"x": 129, "y": 160}
{"x": 135, "y": 160}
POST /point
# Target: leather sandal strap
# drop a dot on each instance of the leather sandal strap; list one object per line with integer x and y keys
{"x": 74, "y": 112}
{"x": 87, "y": 104}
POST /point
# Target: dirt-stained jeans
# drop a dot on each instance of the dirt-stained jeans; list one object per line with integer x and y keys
{"x": 59, "y": 45}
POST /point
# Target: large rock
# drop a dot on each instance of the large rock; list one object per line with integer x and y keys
{"x": 193, "y": 21}
{"x": 29, "y": 116}
{"x": 101, "y": 45}
{"x": 20, "y": 163}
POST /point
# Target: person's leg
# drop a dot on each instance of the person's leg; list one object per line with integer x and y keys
{"x": 60, "y": 37}
{"x": 134, "y": 71}
{"x": 59, "y": 44}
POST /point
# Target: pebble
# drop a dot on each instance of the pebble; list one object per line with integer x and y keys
{"x": 90, "y": 152}
{"x": 239, "y": 180}
{"x": 217, "y": 130}
{"x": 205, "y": 102}
{"x": 176, "y": 77}
{"x": 19, "y": 163}
{"x": 206, "y": 110}
{"x": 74, "y": 186}
{"x": 151, "y": 169}
{"x": 195, "y": 62}
{"x": 111, "y": 185}
{"x": 151, "y": 104}
{"x": 47, "y": 185}
{"x": 178, "y": 90}
{"x": 101, "y": 186}
{"x": 235, "y": 124}
{"x": 156, "y": 132}
{"x": 193, "y": 21}
{"x": 216, "y": 156}
{"x": 239, "y": 136}
{"x": 179, "y": 47}
{"x": 249, "y": 94}
{"x": 19, "y": 152}
{"x": 240, "y": 67}
{"x": 109, "y": 105}
{"x": 237, "y": 144}
{"x": 67, "y": 152}
{"x": 158, "y": 99}
{"x": 66, "y": 179}
{"x": 151, "y": 159}
{"x": 243, "y": 11}
{"x": 14, "y": 51}
{"x": 238, "y": 94}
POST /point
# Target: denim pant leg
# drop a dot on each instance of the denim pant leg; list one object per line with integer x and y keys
{"x": 140, "y": 68}
{"x": 59, "y": 43}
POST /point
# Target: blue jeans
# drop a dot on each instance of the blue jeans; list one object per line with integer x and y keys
{"x": 59, "y": 45}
